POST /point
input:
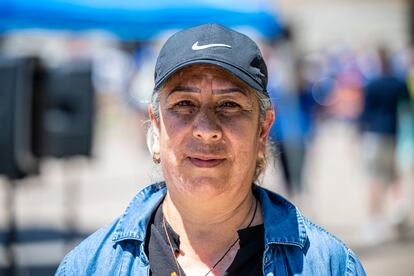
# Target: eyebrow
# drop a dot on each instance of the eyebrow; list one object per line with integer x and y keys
{"x": 191, "y": 89}
{"x": 182, "y": 88}
{"x": 230, "y": 90}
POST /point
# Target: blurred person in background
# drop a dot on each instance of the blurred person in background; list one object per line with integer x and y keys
{"x": 345, "y": 99}
{"x": 292, "y": 133}
{"x": 379, "y": 120}
{"x": 286, "y": 134}
{"x": 210, "y": 120}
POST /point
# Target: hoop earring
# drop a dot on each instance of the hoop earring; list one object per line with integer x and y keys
{"x": 156, "y": 158}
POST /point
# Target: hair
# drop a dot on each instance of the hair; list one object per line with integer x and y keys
{"x": 264, "y": 105}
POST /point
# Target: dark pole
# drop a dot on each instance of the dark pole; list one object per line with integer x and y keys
{"x": 71, "y": 184}
{"x": 11, "y": 235}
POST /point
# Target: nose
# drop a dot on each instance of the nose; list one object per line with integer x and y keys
{"x": 206, "y": 127}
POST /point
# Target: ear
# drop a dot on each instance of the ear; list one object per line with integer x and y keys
{"x": 156, "y": 130}
{"x": 265, "y": 129}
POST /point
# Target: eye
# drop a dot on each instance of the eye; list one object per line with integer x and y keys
{"x": 229, "y": 105}
{"x": 184, "y": 103}
{"x": 183, "y": 106}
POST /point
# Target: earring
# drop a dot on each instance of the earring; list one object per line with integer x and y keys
{"x": 156, "y": 158}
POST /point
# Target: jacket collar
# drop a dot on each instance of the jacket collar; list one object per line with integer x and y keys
{"x": 283, "y": 223}
{"x": 133, "y": 223}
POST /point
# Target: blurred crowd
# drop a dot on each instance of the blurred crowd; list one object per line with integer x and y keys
{"x": 370, "y": 91}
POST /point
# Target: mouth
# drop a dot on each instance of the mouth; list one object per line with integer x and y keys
{"x": 205, "y": 163}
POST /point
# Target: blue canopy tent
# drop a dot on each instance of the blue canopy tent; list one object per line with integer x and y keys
{"x": 136, "y": 20}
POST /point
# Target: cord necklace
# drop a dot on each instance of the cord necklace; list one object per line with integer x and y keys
{"x": 219, "y": 260}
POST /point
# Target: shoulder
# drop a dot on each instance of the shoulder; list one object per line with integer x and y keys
{"x": 318, "y": 234}
{"x": 80, "y": 260}
{"x": 322, "y": 245}
{"x": 307, "y": 246}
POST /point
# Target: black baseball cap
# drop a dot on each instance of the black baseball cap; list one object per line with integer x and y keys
{"x": 217, "y": 45}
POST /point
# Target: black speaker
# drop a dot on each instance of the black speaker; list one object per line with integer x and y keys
{"x": 64, "y": 111}
{"x": 16, "y": 91}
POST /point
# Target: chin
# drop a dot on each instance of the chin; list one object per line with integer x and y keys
{"x": 206, "y": 186}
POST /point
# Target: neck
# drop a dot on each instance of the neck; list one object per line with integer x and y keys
{"x": 202, "y": 222}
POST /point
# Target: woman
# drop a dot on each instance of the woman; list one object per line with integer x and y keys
{"x": 210, "y": 118}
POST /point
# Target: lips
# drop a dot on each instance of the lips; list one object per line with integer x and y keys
{"x": 205, "y": 162}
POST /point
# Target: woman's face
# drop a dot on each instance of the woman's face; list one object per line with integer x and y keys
{"x": 208, "y": 133}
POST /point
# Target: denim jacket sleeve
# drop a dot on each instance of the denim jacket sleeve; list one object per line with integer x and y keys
{"x": 61, "y": 271}
{"x": 353, "y": 265}
{"x": 96, "y": 255}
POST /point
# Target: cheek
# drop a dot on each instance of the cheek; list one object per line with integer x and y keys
{"x": 173, "y": 123}
{"x": 172, "y": 134}
{"x": 244, "y": 138}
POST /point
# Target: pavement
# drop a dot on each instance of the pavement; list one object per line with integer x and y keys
{"x": 72, "y": 198}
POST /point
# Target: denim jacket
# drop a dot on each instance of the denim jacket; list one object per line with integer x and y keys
{"x": 293, "y": 244}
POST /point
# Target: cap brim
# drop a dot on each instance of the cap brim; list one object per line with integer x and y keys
{"x": 239, "y": 73}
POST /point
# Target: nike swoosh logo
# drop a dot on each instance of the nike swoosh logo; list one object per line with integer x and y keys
{"x": 197, "y": 47}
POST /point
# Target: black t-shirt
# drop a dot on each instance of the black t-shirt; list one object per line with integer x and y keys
{"x": 248, "y": 260}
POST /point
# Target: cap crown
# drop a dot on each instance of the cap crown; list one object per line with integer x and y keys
{"x": 217, "y": 45}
